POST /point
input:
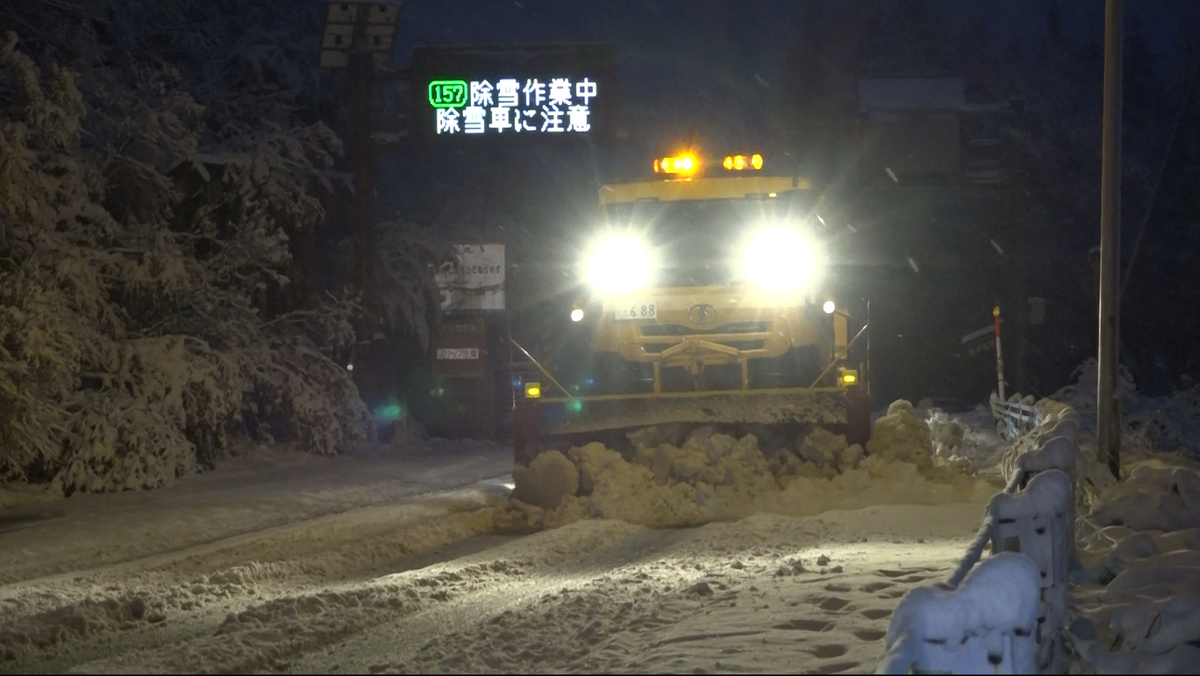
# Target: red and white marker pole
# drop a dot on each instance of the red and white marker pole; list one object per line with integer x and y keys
{"x": 999, "y": 355}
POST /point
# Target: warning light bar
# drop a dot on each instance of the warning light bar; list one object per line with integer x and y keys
{"x": 684, "y": 164}
{"x": 741, "y": 162}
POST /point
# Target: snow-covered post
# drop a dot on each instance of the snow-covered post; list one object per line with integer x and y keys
{"x": 1034, "y": 522}
{"x": 1004, "y": 594}
{"x": 1056, "y": 449}
{"x": 989, "y": 625}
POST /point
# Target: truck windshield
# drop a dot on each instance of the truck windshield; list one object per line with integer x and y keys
{"x": 698, "y": 241}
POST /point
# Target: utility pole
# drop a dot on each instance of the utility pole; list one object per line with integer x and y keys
{"x": 1108, "y": 400}
{"x": 362, "y": 157}
{"x": 1019, "y": 222}
{"x": 358, "y": 36}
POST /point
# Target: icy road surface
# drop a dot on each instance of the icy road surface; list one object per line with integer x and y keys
{"x": 383, "y": 562}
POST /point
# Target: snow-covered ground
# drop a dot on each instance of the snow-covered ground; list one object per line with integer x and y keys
{"x": 414, "y": 560}
{"x": 1137, "y": 596}
{"x": 429, "y": 585}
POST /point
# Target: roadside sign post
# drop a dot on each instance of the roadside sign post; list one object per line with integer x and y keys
{"x": 468, "y": 347}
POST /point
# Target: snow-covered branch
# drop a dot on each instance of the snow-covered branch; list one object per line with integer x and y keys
{"x": 141, "y": 235}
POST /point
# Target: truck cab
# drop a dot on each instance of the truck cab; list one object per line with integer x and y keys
{"x": 707, "y": 275}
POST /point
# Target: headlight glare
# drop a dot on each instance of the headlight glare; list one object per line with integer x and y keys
{"x": 618, "y": 264}
{"x": 779, "y": 259}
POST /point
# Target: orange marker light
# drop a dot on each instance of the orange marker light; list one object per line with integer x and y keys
{"x": 743, "y": 162}
{"x": 684, "y": 164}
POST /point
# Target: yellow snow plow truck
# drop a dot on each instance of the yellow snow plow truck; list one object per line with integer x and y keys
{"x": 702, "y": 302}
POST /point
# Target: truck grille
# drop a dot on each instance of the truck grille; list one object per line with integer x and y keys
{"x": 736, "y": 344}
{"x": 755, "y": 326}
{"x": 728, "y": 332}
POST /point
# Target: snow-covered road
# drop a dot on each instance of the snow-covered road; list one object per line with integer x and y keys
{"x": 265, "y": 488}
{"x": 764, "y": 594}
{"x": 377, "y": 562}
{"x": 97, "y": 576}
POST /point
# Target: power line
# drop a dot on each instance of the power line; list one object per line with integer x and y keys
{"x": 1158, "y": 181}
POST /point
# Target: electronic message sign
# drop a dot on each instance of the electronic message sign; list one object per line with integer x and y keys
{"x": 523, "y": 93}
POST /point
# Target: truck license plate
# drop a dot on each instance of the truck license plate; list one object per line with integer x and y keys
{"x": 637, "y": 309}
{"x": 458, "y": 353}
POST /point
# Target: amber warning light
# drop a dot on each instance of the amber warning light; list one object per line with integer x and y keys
{"x": 684, "y": 164}
{"x": 742, "y": 162}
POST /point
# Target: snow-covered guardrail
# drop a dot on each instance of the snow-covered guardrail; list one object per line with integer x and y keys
{"x": 1005, "y": 613}
{"x": 1013, "y": 416}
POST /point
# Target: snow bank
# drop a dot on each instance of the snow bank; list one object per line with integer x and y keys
{"x": 713, "y": 476}
{"x": 1140, "y": 612}
{"x": 1155, "y": 496}
{"x": 901, "y": 435}
{"x": 947, "y": 435}
{"x": 1140, "y": 565}
{"x": 1170, "y": 423}
{"x": 1154, "y": 512}
{"x": 14, "y": 495}
{"x": 546, "y": 481}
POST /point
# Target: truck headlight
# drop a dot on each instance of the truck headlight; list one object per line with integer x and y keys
{"x": 618, "y": 264}
{"x": 779, "y": 259}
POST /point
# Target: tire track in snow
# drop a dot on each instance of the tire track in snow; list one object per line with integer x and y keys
{"x": 722, "y": 597}
{"x": 266, "y": 634}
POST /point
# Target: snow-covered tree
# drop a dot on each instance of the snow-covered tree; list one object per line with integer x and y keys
{"x": 159, "y": 162}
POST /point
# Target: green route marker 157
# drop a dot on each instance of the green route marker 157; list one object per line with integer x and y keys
{"x": 448, "y": 93}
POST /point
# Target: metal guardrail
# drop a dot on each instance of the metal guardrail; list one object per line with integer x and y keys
{"x": 1014, "y": 416}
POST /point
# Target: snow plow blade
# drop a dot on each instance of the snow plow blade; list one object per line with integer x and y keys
{"x": 564, "y": 422}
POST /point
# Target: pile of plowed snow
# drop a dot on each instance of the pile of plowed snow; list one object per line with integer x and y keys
{"x": 713, "y": 477}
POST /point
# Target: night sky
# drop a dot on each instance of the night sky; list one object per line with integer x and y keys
{"x": 722, "y": 70}
{"x": 736, "y": 47}
{"x": 718, "y": 68}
